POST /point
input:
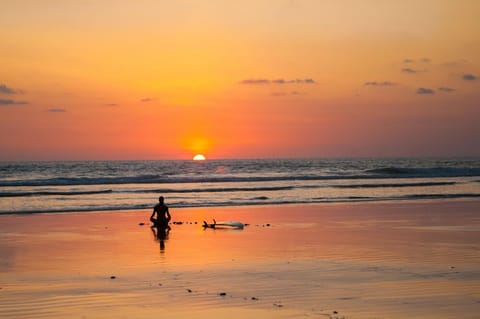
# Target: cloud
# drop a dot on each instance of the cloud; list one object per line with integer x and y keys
{"x": 147, "y": 99}
{"x": 446, "y": 89}
{"x": 456, "y": 63}
{"x": 110, "y": 104}
{"x": 296, "y": 81}
{"x": 255, "y": 81}
{"x": 279, "y": 94}
{"x": 423, "y": 60}
{"x": 12, "y": 102}
{"x": 278, "y": 81}
{"x": 309, "y": 81}
{"x": 56, "y": 110}
{"x": 408, "y": 70}
{"x": 469, "y": 77}
{"x": 425, "y": 91}
{"x": 7, "y": 90}
{"x": 375, "y": 83}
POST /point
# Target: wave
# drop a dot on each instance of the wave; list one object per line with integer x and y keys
{"x": 50, "y": 193}
{"x": 393, "y": 172}
{"x": 75, "y": 181}
{"x": 251, "y": 202}
{"x": 214, "y": 190}
{"x": 145, "y": 191}
{"x": 381, "y": 185}
{"x": 157, "y": 179}
{"x": 160, "y": 179}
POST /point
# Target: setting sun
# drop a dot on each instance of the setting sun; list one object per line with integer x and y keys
{"x": 199, "y": 157}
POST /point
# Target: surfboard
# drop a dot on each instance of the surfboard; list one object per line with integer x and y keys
{"x": 224, "y": 224}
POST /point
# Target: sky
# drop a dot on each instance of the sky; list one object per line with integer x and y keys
{"x": 149, "y": 79}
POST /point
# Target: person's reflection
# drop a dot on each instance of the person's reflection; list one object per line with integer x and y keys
{"x": 160, "y": 234}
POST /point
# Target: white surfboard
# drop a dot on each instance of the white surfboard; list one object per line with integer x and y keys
{"x": 223, "y": 224}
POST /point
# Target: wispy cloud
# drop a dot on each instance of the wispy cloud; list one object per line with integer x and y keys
{"x": 278, "y": 81}
{"x": 8, "y": 90}
{"x": 255, "y": 81}
{"x": 12, "y": 102}
{"x": 375, "y": 83}
{"x": 110, "y": 104}
{"x": 147, "y": 99}
{"x": 422, "y": 60}
{"x": 57, "y": 110}
{"x": 409, "y": 71}
{"x": 446, "y": 89}
{"x": 280, "y": 94}
{"x": 456, "y": 63}
{"x": 469, "y": 77}
{"x": 425, "y": 91}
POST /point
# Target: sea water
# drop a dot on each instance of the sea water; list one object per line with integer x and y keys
{"x": 35, "y": 187}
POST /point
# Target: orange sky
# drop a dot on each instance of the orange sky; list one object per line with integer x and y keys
{"x": 153, "y": 79}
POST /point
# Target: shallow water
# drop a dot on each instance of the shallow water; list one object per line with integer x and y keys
{"x": 384, "y": 260}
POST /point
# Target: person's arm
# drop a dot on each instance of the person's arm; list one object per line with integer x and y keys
{"x": 153, "y": 214}
{"x": 168, "y": 215}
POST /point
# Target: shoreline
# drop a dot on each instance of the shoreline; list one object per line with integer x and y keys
{"x": 360, "y": 201}
{"x": 357, "y": 260}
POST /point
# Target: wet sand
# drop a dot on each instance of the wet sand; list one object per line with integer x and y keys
{"x": 363, "y": 260}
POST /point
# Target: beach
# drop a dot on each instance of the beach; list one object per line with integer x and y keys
{"x": 393, "y": 259}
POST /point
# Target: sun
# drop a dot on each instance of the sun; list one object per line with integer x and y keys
{"x": 199, "y": 157}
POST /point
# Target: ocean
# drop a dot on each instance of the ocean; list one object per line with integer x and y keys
{"x": 37, "y": 187}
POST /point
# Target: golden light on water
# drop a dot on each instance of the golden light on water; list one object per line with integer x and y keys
{"x": 199, "y": 157}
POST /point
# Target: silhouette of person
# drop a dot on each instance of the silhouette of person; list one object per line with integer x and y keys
{"x": 160, "y": 234}
{"x": 163, "y": 215}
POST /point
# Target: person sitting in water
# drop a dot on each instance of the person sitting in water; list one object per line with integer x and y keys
{"x": 163, "y": 215}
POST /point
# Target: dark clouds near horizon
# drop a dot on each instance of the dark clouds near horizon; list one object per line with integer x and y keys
{"x": 8, "y": 90}
{"x": 409, "y": 71}
{"x": 57, "y": 110}
{"x": 446, "y": 89}
{"x": 423, "y": 60}
{"x": 375, "y": 83}
{"x": 425, "y": 91}
{"x": 12, "y": 102}
{"x": 469, "y": 77}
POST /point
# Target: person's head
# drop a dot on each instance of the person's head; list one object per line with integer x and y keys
{"x": 161, "y": 199}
